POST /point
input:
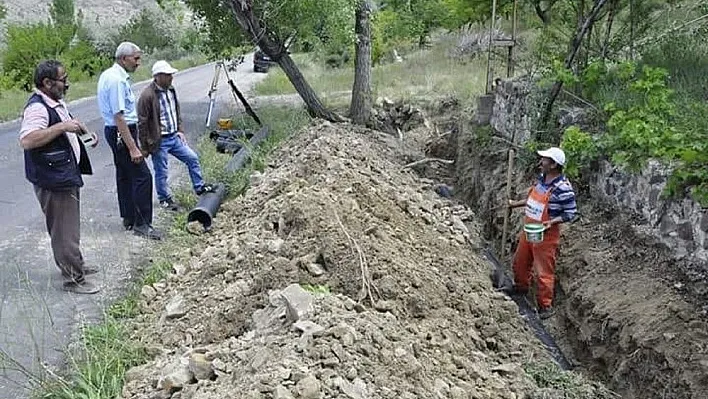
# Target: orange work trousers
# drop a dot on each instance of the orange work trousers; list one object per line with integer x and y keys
{"x": 540, "y": 259}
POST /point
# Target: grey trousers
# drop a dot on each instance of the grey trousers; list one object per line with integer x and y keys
{"x": 62, "y": 214}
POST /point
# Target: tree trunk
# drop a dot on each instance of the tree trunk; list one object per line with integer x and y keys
{"x": 543, "y": 10}
{"x": 275, "y": 49}
{"x": 314, "y": 105}
{"x": 574, "y": 47}
{"x": 360, "y": 110}
{"x": 608, "y": 31}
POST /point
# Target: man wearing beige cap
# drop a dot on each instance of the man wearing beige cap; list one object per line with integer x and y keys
{"x": 161, "y": 133}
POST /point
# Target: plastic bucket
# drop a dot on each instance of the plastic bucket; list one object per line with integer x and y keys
{"x": 534, "y": 232}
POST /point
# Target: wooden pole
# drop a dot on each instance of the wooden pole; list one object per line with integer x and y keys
{"x": 505, "y": 228}
{"x": 510, "y": 60}
{"x": 489, "y": 52}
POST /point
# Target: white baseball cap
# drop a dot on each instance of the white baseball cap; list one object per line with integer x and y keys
{"x": 554, "y": 153}
{"x": 162, "y": 66}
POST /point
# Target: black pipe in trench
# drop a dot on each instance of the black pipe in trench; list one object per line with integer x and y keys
{"x": 503, "y": 281}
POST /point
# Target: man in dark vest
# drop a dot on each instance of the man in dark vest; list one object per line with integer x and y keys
{"x": 55, "y": 159}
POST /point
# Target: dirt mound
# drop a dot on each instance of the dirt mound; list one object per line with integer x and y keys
{"x": 396, "y": 302}
{"x": 623, "y": 317}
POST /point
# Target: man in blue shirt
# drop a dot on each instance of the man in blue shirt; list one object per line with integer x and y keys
{"x": 118, "y": 109}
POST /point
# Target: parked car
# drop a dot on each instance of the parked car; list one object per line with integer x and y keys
{"x": 261, "y": 61}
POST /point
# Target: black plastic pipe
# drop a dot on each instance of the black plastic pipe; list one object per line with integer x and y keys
{"x": 241, "y": 156}
{"x": 207, "y": 206}
{"x": 503, "y": 282}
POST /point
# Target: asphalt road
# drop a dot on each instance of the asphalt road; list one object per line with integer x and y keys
{"x": 37, "y": 319}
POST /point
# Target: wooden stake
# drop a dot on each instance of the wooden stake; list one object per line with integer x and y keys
{"x": 505, "y": 228}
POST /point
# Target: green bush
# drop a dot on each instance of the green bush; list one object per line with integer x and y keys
{"x": 83, "y": 61}
{"x": 27, "y": 45}
{"x": 645, "y": 120}
{"x": 580, "y": 149}
{"x": 148, "y": 30}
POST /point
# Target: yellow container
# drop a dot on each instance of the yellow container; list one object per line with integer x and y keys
{"x": 224, "y": 124}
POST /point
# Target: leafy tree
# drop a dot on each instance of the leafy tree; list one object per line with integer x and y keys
{"x": 26, "y": 47}
{"x": 268, "y": 24}
{"x": 147, "y": 30}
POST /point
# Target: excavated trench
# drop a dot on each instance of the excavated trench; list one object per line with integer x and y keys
{"x": 621, "y": 317}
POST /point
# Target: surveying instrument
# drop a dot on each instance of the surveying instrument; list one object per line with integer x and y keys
{"x": 238, "y": 96}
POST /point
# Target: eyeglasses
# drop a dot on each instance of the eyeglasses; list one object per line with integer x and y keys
{"x": 63, "y": 79}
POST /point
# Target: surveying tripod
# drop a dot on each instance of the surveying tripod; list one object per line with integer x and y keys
{"x": 238, "y": 96}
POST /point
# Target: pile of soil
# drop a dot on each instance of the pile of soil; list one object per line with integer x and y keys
{"x": 623, "y": 315}
{"x": 338, "y": 274}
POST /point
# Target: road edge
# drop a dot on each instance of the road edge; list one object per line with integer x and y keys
{"x": 89, "y": 98}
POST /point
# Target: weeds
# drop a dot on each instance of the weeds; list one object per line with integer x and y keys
{"x": 281, "y": 120}
{"x": 556, "y": 383}
{"x": 107, "y": 354}
{"x": 317, "y": 289}
{"x": 424, "y": 73}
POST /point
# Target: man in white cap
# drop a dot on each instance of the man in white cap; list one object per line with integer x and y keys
{"x": 161, "y": 133}
{"x": 550, "y": 202}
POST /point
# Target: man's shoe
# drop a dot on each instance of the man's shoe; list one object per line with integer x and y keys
{"x": 128, "y": 224}
{"x": 545, "y": 313}
{"x": 83, "y": 287}
{"x": 90, "y": 270}
{"x": 147, "y": 231}
{"x": 207, "y": 188}
{"x": 170, "y": 205}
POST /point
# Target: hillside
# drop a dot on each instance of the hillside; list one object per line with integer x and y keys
{"x": 103, "y": 12}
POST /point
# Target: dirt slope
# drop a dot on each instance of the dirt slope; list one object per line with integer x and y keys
{"x": 623, "y": 315}
{"x": 334, "y": 211}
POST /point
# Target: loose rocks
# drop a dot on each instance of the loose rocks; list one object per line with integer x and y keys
{"x": 400, "y": 305}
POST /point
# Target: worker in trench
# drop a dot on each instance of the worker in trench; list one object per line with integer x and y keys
{"x": 550, "y": 202}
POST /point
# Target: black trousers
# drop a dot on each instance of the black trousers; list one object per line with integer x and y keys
{"x": 133, "y": 181}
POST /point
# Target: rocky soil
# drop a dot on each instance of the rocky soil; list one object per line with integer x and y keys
{"x": 623, "y": 317}
{"x": 339, "y": 274}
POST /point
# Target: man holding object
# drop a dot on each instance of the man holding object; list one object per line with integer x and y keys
{"x": 550, "y": 202}
{"x": 55, "y": 159}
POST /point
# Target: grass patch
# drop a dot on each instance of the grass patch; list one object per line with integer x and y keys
{"x": 424, "y": 73}
{"x": 107, "y": 354}
{"x": 564, "y": 384}
{"x": 12, "y": 102}
{"x": 282, "y": 121}
{"x": 106, "y": 350}
{"x": 316, "y": 289}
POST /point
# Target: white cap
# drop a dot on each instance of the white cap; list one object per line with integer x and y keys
{"x": 555, "y": 153}
{"x": 162, "y": 66}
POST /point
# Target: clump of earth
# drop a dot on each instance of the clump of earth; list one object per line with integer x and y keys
{"x": 340, "y": 273}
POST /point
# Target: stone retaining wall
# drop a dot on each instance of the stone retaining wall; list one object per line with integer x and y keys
{"x": 680, "y": 224}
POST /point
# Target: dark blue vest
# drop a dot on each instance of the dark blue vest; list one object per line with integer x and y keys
{"x": 53, "y": 166}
